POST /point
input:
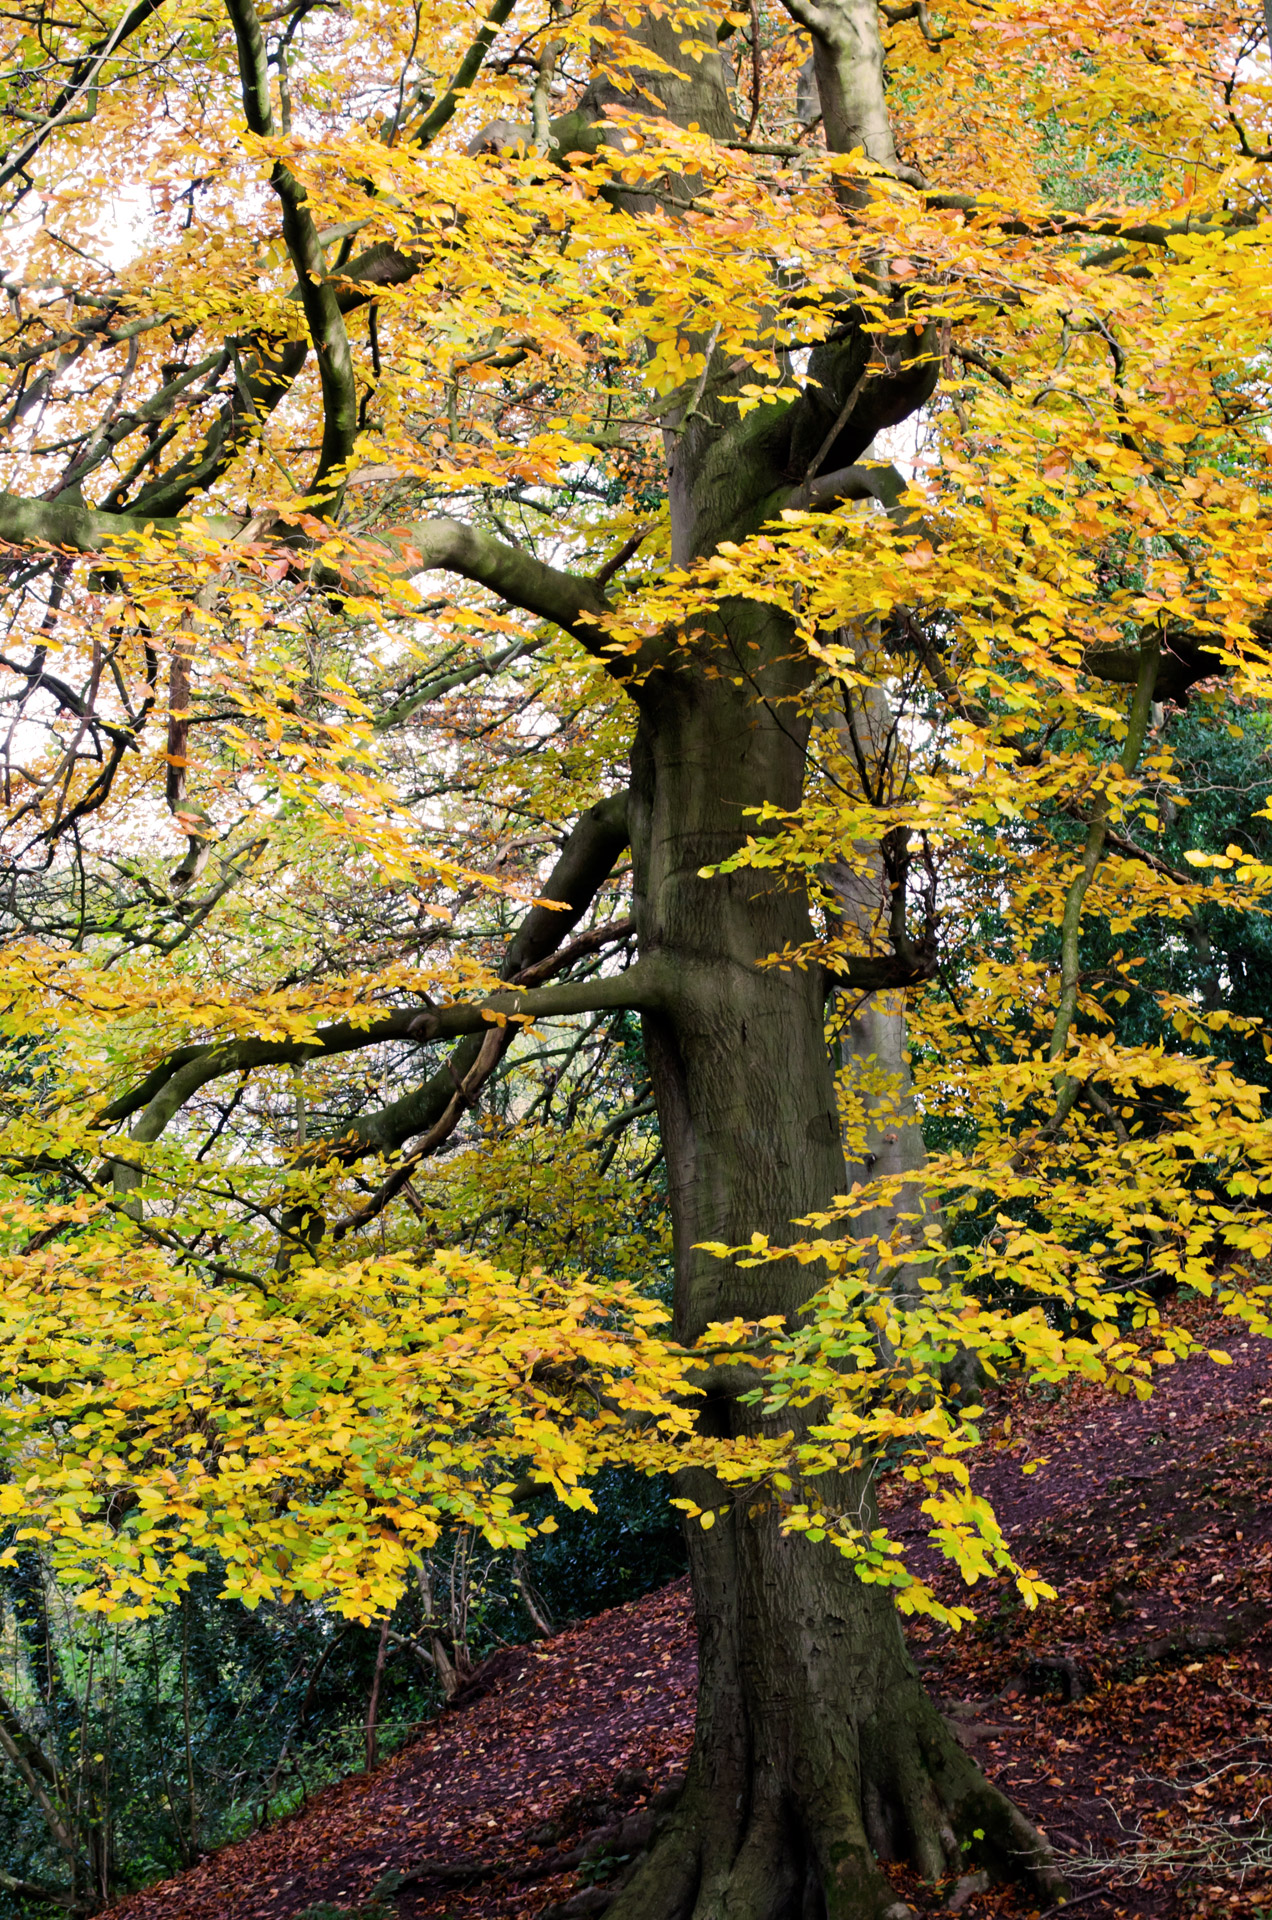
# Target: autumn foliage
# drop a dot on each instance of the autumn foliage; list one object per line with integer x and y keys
{"x": 347, "y": 357}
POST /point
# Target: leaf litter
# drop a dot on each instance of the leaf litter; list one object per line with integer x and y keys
{"x": 1131, "y": 1718}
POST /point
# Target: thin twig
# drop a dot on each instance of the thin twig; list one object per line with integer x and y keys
{"x": 1062, "y": 1906}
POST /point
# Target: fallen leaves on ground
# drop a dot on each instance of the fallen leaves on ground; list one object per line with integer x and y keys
{"x": 1130, "y": 1718}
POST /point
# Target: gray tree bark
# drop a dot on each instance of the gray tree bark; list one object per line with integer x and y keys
{"x": 817, "y": 1754}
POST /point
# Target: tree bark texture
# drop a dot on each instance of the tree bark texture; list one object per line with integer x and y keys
{"x": 817, "y": 1753}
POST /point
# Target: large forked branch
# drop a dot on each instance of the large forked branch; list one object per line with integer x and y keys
{"x": 569, "y": 600}
{"x": 443, "y": 110}
{"x": 638, "y": 989}
{"x": 586, "y": 862}
{"x": 588, "y": 858}
{"x": 317, "y": 293}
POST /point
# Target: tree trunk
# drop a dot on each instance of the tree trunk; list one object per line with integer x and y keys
{"x": 817, "y": 1752}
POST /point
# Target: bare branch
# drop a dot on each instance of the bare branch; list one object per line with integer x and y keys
{"x": 567, "y": 599}
{"x": 871, "y": 480}
{"x": 641, "y": 987}
{"x": 587, "y": 860}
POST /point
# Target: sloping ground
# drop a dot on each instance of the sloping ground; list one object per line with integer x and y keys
{"x": 536, "y": 1740}
{"x": 1130, "y": 1718}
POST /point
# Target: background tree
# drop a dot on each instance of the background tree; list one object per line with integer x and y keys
{"x": 603, "y": 325}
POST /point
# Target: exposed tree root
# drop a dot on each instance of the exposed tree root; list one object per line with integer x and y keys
{"x": 818, "y": 1760}
{"x": 919, "y": 1800}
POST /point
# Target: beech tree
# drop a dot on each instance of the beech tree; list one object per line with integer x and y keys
{"x": 576, "y": 513}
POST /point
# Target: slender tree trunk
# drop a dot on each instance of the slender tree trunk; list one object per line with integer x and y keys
{"x": 373, "y": 1705}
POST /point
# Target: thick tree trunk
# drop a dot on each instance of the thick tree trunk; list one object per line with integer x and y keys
{"x": 817, "y": 1752}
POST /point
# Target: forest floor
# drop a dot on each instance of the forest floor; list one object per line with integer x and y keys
{"x": 1131, "y": 1718}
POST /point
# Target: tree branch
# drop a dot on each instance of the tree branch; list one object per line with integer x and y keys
{"x": 267, "y": 381}
{"x": 1152, "y": 233}
{"x": 1066, "y": 1086}
{"x": 70, "y": 524}
{"x": 118, "y": 427}
{"x": 916, "y": 10}
{"x": 568, "y": 600}
{"x": 848, "y": 59}
{"x": 640, "y": 988}
{"x": 586, "y": 861}
{"x": 443, "y": 110}
{"x": 264, "y": 379}
{"x": 30, "y": 1749}
{"x": 31, "y": 1890}
{"x": 450, "y": 1094}
{"x": 871, "y": 480}
{"x": 441, "y": 683}
{"x": 1185, "y": 659}
{"x": 53, "y": 1820}
{"x": 317, "y": 294}
{"x": 84, "y": 80}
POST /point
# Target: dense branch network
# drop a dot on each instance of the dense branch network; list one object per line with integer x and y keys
{"x": 803, "y": 453}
